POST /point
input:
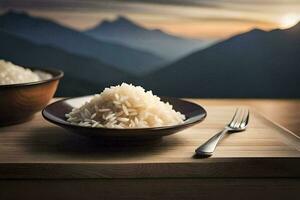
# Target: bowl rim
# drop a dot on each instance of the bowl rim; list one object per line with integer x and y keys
{"x": 68, "y": 124}
{"x": 56, "y": 75}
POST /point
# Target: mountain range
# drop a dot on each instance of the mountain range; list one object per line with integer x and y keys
{"x": 253, "y": 64}
{"x": 125, "y": 31}
{"x": 257, "y": 63}
{"x": 82, "y": 75}
{"x": 46, "y": 32}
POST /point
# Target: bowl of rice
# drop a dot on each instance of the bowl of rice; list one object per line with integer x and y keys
{"x": 124, "y": 112}
{"x": 24, "y": 91}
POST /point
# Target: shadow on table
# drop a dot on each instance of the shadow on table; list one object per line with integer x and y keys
{"x": 57, "y": 141}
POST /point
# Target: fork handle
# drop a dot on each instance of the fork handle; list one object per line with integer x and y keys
{"x": 209, "y": 146}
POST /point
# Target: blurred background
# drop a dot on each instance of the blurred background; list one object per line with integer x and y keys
{"x": 191, "y": 48}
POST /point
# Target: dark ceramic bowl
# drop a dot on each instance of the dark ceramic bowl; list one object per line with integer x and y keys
{"x": 19, "y": 102}
{"x": 55, "y": 113}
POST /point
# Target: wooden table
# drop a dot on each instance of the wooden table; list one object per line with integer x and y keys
{"x": 41, "y": 161}
{"x": 284, "y": 112}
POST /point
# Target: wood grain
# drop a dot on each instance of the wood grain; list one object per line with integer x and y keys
{"x": 285, "y": 112}
{"x": 39, "y": 150}
{"x": 148, "y": 189}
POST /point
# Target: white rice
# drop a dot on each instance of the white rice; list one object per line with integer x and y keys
{"x": 13, "y": 74}
{"x": 125, "y": 106}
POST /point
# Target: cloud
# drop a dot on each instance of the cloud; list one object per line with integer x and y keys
{"x": 192, "y": 17}
{"x": 213, "y": 2}
{"x": 141, "y": 6}
{"x": 248, "y": 11}
{"x": 66, "y": 4}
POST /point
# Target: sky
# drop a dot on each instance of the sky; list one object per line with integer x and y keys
{"x": 204, "y": 19}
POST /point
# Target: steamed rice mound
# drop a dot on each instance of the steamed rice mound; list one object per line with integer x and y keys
{"x": 125, "y": 106}
{"x": 13, "y": 74}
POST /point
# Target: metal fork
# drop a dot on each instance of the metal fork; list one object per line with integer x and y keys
{"x": 238, "y": 123}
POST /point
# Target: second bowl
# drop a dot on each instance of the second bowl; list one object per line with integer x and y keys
{"x": 19, "y": 102}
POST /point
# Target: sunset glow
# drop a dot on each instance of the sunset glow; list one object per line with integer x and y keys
{"x": 213, "y": 20}
{"x": 289, "y": 20}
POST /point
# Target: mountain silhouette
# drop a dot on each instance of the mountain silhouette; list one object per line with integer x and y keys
{"x": 125, "y": 31}
{"x": 253, "y": 64}
{"x": 257, "y": 64}
{"x": 82, "y": 75}
{"x": 46, "y": 32}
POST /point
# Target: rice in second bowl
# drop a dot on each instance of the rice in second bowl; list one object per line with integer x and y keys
{"x": 125, "y": 106}
{"x": 14, "y": 74}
